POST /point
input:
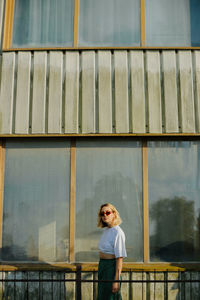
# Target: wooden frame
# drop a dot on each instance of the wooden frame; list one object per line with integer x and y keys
{"x": 71, "y": 266}
{"x": 8, "y": 25}
{"x": 2, "y": 164}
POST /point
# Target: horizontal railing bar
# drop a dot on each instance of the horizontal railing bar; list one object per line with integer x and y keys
{"x": 96, "y": 280}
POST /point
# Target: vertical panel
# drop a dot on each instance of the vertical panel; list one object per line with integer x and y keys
{"x": 72, "y": 200}
{"x": 87, "y": 287}
{"x": 138, "y": 290}
{"x": 121, "y": 92}
{"x": 88, "y": 92}
{"x": 145, "y": 201}
{"x": 55, "y": 92}
{"x": 197, "y": 86}
{"x": 186, "y": 92}
{"x": 71, "y": 92}
{"x": 23, "y": 93}
{"x": 7, "y": 92}
{"x": 157, "y": 291}
{"x": 195, "y": 286}
{"x": 70, "y": 286}
{"x": 125, "y": 286}
{"x": 154, "y": 91}
{"x": 33, "y": 287}
{"x": 173, "y": 288}
{"x": 105, "y": 91}
{"x": 2, "y": 162}
{"x": 137, "y": 92}
{"x": 39, "y": 92}
{"x": 170, "y": 91}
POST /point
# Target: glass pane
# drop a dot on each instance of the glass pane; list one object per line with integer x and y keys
{"x": 43, "y": 23}
{"x": 36, "y": 201}
{"x": 172, "y": 23}
{"x": 109, "y": 23}
{"x": 108, "y": 171}
{"x": 174, "y": 189}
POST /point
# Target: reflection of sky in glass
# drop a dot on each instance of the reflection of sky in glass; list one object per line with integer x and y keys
{"x": 109, "y": 22}
{"x": 108, "y": 172}
{"x": 174, "y": 172}
{"x": 36, "y": 195}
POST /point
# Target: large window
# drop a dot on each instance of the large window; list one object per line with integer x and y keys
{"x": 105, "y": 23}
{"x": 36, "y": 201}
{"x": 53, "y": 189}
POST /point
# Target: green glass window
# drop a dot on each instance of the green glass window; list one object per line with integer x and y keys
{"x": 36, "y": 201}
{"x": 43, "y": 23}
{"x": 173, "y": 23}
{"x": 174, "y": 204}
{"x": 109, "y": 23}
{"x": 108, "y": 171}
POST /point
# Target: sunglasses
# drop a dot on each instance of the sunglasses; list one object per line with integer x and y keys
{"x": 105, "y": 213}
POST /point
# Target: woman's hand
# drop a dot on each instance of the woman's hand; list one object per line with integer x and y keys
{"x": 115, "y": 287}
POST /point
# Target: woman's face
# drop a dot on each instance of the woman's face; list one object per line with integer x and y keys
{"x": 107, "y": 216}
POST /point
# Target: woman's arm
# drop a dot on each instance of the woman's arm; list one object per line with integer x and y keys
{"x": 116, "y": 285}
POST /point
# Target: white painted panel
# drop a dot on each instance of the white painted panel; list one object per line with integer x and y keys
{"x": 157, "y": 289}
{"x": 7, "y": 93}
{"x": 23, "y": 93}
{"x": 186, "y": 92}
{"x": 88, "y": 92}
{"x": 154, "y": 91}
{"x": 170, "y": 92}
{"x": 105, "y": 91}
{"x": 138, "y": 289}
{"x": 87, "y": 287}
{"x": 125, "y": 286}
{"x": 137, "y": 92}
{"x": 174, "y": 288}
{"x": 39, "y": 92}
{"x": 55, "y": 92}
{"x": 197, "y": 85}
{"x": 121, "y": 92}
{"x": 71, "y": 92}
{"x": 70, "y": 286}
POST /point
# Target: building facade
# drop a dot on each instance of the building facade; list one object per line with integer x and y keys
{"x": 99, "y": 102}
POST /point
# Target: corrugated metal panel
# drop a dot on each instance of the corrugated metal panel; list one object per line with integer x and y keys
{"x": 126, "y": 91}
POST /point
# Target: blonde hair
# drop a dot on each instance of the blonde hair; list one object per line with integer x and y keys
{"x": 117, "y": 219}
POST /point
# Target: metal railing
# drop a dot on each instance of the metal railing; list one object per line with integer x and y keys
{"x": 30, "y": 285}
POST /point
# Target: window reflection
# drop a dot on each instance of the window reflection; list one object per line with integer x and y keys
{"x": 108, "y": 171}
{"x": 174, "y": 201}
{"x": 36, "y": 201}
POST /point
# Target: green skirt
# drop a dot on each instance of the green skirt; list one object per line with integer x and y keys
{"x": 106, "y": 271}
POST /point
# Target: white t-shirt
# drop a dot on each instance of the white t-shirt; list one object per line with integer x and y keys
{"x": 112, "y": 241}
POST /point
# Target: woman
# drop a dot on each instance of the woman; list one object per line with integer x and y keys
{"x": 112, "y": 250}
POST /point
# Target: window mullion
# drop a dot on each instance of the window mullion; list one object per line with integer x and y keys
{"x": 145, "y": 201}
{"x": 2, "y": 163}
{"x": 76, "y": 17}
{"x": 8, "y": 24}
{"x": 142, "y": 22}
